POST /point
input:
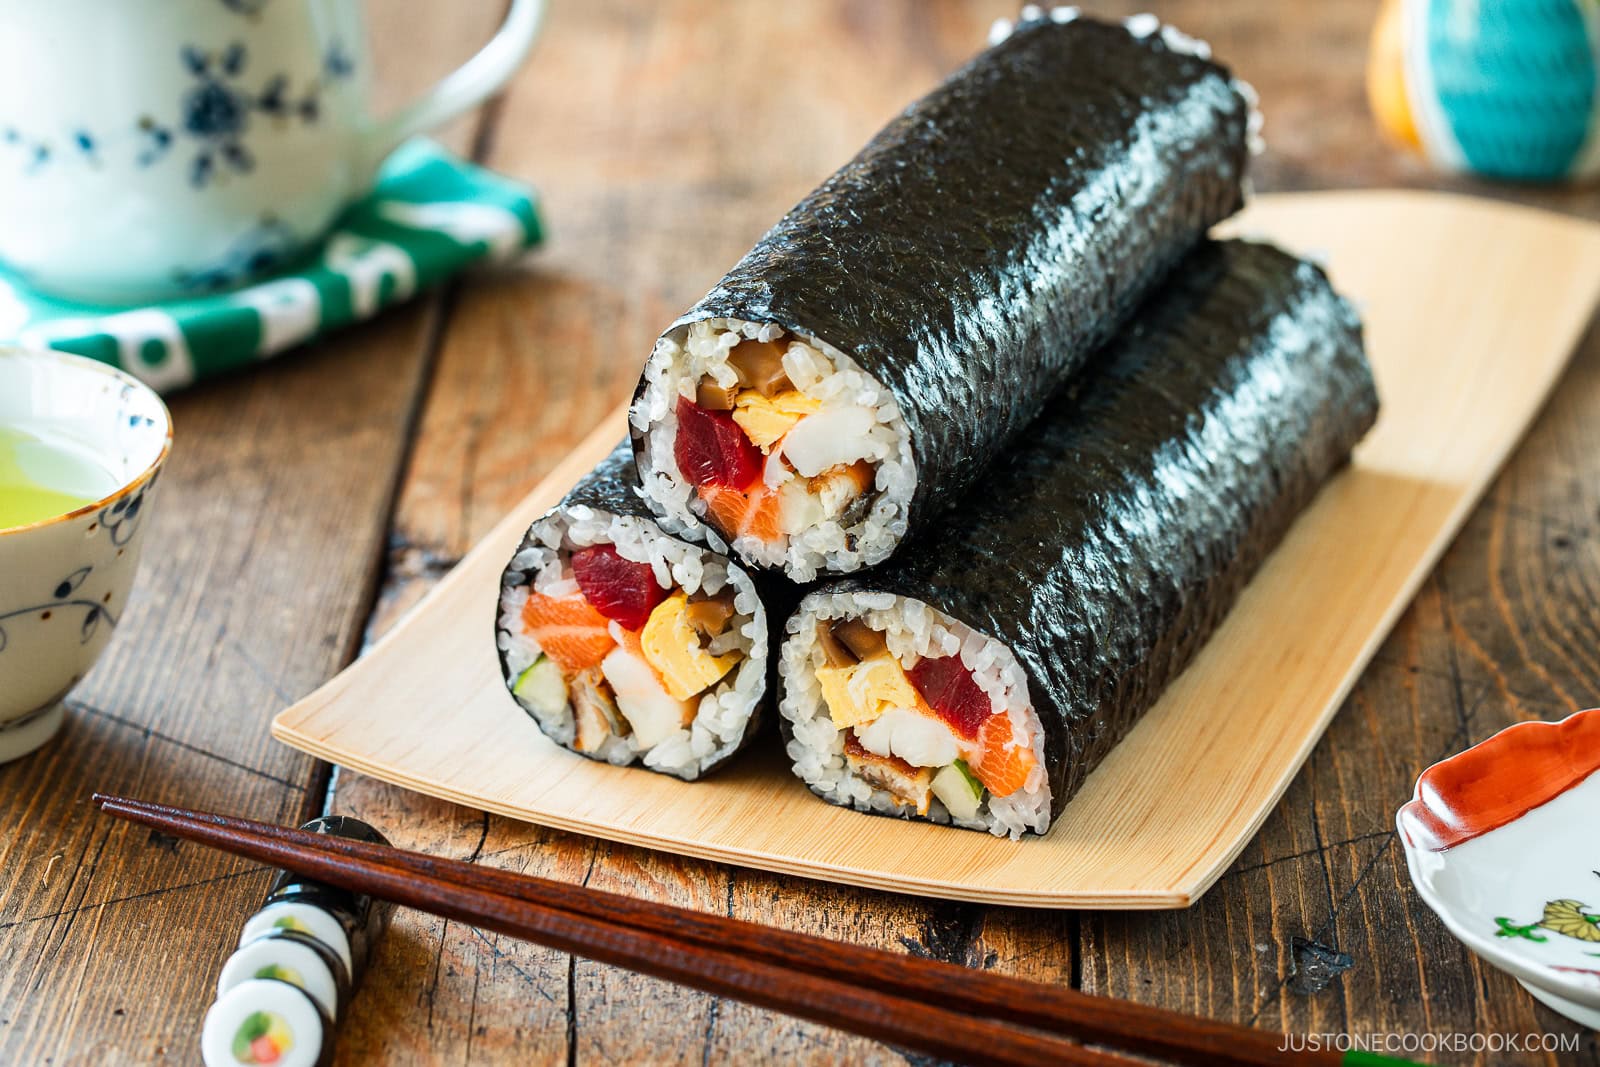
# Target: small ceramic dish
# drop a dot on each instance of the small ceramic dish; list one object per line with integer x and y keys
{"x": 1500, "y": 843}
{"x": 64, "y": 579}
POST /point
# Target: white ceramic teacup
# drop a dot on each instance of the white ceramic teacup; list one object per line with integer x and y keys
{"x": 158, "y": 149}
{"x": 64, "y": 580}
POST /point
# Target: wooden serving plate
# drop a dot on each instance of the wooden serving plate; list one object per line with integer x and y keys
{"x": 1471, "y": 309}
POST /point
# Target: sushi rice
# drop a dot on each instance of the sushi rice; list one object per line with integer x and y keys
{"x": 725, "y": 711}
{"x": 913, "y": 631}
{"x": 834, "y": 541}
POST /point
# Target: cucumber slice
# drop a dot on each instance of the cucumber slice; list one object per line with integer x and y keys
{"x": 958, "y": 790}
{"x": 541, "y": 687}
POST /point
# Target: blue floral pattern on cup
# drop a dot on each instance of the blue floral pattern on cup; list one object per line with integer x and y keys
{"x": 121, "y": 519}
{"x": 267, "y": 247}
{"x": 216, "y": 112}
{"x": 64, "y": 597}
{"x": 213, "y": 115}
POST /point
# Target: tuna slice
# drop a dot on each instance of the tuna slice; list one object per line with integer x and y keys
{"x": 948, "y": 688}
{"x": 618, "y": 588}
{"x": 711, "y": 450}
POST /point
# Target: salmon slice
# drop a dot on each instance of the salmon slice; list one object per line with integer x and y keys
{"x": 568, "y": 630}
{"x": 755, "y": 512}
{"x": 1000, "y": 761}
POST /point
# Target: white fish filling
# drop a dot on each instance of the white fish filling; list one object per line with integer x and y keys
{"x": 859, "y": 420}
{"x": 913, "y": 631}
{"x": 723, "y": 712}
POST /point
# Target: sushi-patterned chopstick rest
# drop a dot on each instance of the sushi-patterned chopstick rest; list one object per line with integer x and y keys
{"x": 430, "y": 216}
{"x": 299, "y": 959}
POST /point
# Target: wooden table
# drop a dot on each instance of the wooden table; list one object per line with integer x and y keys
{"x": 310, "y": 502}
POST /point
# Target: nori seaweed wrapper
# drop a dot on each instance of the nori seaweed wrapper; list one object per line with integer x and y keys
{"x": 613, "y": 487}
{"x": 1110, "y": 543}
{"x": 986, "y": 241}
{"x": 364, "y": 918}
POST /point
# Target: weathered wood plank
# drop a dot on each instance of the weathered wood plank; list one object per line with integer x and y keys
{"x": 441, "y": 992}
{"x": 260, "y": 563}
{"x": 1525, "y": 618}
{"x": 263, "y": 605}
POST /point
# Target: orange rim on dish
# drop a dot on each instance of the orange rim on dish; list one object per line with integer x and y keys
{"x": 1501, "y": 779}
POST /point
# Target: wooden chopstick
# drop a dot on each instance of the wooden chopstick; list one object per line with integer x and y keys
{"x": 1053, "y": 1009}
{"x": 968, "y": 1004}
{"x": 931, "y": 1029}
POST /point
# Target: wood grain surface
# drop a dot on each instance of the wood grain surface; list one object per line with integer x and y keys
{"x": 308, "y": 503}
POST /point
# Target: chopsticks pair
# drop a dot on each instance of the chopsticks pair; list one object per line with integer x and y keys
{"x": 936, "y": 1008}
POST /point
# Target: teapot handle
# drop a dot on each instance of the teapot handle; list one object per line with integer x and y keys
{"x": 465, "y": 88}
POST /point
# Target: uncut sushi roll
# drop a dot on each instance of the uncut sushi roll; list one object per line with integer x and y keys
{"x": 627, "y": 644}
{"x": 885, "y": 341}
{"x": 980, "y": 675}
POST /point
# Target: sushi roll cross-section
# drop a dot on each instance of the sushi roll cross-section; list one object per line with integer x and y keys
{"x": 266, "y": 1022}
{"x": 979, "y": 676}
{"x": 626, "y": 644}
{"x": 293, "y": 957}
{"x": 303, "y": 917}
{"x": 781, "y": 438}
{"x": 918, "y": 721}
{"x": 895, "y": 331}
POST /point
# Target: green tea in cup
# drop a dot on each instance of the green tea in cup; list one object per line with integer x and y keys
{"x": 81, "y": 448}
{"x": 45, "y": 475}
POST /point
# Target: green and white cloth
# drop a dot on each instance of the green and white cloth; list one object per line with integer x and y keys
{"x": 429, "y": 215}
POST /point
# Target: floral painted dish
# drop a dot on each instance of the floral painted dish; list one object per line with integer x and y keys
{"x": 1500, "y": 840}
